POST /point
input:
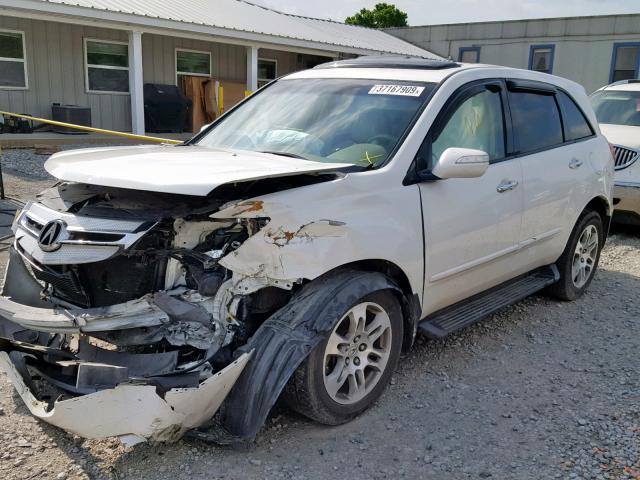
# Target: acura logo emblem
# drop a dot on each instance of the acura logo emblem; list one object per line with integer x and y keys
{"x": 51, "y": 235}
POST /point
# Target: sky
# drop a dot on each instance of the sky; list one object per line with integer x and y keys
{"x": 431, "y": 12}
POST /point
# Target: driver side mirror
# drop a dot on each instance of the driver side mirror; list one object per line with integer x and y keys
{"x": 204, "y": 127}
{"x": 461, "y": 163}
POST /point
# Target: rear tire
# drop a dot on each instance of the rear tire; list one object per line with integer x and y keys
{"x": 579, "y": 261}
{"x": 349, "y": 370}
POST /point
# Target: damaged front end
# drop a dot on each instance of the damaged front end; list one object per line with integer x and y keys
{"x": 117, "y": 317}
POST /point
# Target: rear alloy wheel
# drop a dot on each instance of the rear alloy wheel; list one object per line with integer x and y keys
{"x": 579, "y": 262}
{"x": 349, "y": 370}
{"x": 585, "y": 256}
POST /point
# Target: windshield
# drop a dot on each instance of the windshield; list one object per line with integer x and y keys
{"x": 358, "y": 122}
{"x": 617, "y": 107}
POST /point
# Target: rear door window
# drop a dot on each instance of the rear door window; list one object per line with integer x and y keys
{"x": 536, "y": 120}
{"x": 576, "y": 125}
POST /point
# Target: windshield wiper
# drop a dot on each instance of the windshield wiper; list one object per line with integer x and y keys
{"x": 285, "y": 154}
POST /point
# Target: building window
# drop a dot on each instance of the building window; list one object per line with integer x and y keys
{"x": 541, "y": 58}
{"x": 469, "y": 55}
{"x": 267, "y": 71}
{"x": 625, "y": 62}
{"x": 192, "y": 63}
{"x": 107, "y": 66}
{"x": 13, "y": 64}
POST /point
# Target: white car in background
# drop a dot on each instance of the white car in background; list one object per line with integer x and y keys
{"x": 617, "y": 107}
{"x": 297, "y": 245}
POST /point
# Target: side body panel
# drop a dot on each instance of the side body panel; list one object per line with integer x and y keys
{"x": 371, "y": 215}
{"x": 556, "y": 194}
{"x": 317, "y": 228}
{"x": 469, "y": 227}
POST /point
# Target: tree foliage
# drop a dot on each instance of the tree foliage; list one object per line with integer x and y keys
{"x": 383, "y": 15}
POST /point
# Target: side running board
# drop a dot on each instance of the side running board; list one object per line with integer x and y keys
{"x": 473, "y": 309}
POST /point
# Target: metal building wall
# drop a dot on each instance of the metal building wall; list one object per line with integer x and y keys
{"x": 56, "y": 72}
{"x": 583, "y": 45}
{"x": 55, "y": 66}
{"x": 228, "y": 62}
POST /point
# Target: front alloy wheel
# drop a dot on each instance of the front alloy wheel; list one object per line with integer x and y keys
{"x": 357, "y": 353}
{"x": 347, "y": 372}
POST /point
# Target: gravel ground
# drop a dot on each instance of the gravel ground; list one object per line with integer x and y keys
{"x": 24, "y": 173}
{"x": 543, "y": 389}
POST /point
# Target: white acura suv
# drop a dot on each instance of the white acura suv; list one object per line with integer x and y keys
{"x": 617, "y": 108}
{"x": 296, "y": 246}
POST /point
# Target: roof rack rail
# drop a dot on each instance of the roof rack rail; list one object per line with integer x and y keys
{"x": 391, "y": 61}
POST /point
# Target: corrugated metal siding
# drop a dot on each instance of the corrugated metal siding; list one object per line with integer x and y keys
{"x": 228, "y": 62}
{"x": 55, "y": 63}
{"x": 288, "y": 62}
{"x": 243, "y": 16}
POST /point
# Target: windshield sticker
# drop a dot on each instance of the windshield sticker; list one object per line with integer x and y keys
{"x": 404, "y": 90}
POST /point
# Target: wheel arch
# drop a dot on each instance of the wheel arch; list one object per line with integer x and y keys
{"x": 602, "y": 207}
{"x": 410, "y": 301}
{"x": 284, "y": 340}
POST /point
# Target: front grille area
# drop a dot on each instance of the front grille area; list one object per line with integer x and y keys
{"x": 98, "y": 284}
{"x": 100, "y": 261}
{"x": 65, "y": 283}
{"x": 624, "y": 156}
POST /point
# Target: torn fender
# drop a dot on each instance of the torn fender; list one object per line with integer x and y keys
{"x": 312, "y": 230}
{"x": 286, "y": 339}
{"x": 132, "y": 412}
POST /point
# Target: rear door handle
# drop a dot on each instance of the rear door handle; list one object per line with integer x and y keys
{"x": 506, "y": 185}
{"x": 575, "y": 163}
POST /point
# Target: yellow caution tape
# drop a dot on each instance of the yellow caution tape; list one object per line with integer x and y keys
{"x": 131, "y": 136}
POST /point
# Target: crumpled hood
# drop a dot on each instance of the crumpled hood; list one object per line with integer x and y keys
{"x": 623, "y": 135}
{"x": 187, "y": 170}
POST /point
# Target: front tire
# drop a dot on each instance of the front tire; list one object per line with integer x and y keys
{"x": 579, "y": 261}
{"x": 349, "y": 370}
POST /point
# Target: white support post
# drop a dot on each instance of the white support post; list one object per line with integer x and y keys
{"x": 136, "y": 83}
{"x": 252, "y": 69}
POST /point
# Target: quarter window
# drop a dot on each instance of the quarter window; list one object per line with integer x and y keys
{"x": 13, "y": 65}
{"x": 541, "y": 58}
{"x": 536, "y": 120}
{"x": 475, "y": 123}
{"x": 267, "y": 71}
{"x": 192, "y": 63}
{"x": 107, "y": 65}
{"x": 576, "y": 125}
{"x": 626, "y": 59}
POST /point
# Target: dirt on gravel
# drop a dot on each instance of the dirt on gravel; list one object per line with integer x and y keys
{"x": 543, "y": 389}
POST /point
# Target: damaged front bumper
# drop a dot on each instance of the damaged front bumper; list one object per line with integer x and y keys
{"x": 132, "y": 412}
{"x": 135, "y": 314}
{"x": 145, "y": 370}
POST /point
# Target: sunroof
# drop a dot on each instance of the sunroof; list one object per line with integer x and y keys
{"x": 391, "y": 61}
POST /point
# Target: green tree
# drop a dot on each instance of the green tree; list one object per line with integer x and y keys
{"x": 383, "y": 15}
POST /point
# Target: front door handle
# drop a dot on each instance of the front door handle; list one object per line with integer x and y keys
{"x": 575, "y": 163}
{"x": 506, "y": 185}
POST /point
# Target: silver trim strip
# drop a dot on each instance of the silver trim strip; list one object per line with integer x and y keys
{"x": 501, "y": 253}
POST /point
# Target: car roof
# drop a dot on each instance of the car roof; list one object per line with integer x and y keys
{"x": 391, "y": 61}
{"x": 623, "y": 86}
{"x": 423, "y": 70}
{"x": 389, "y": 71}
